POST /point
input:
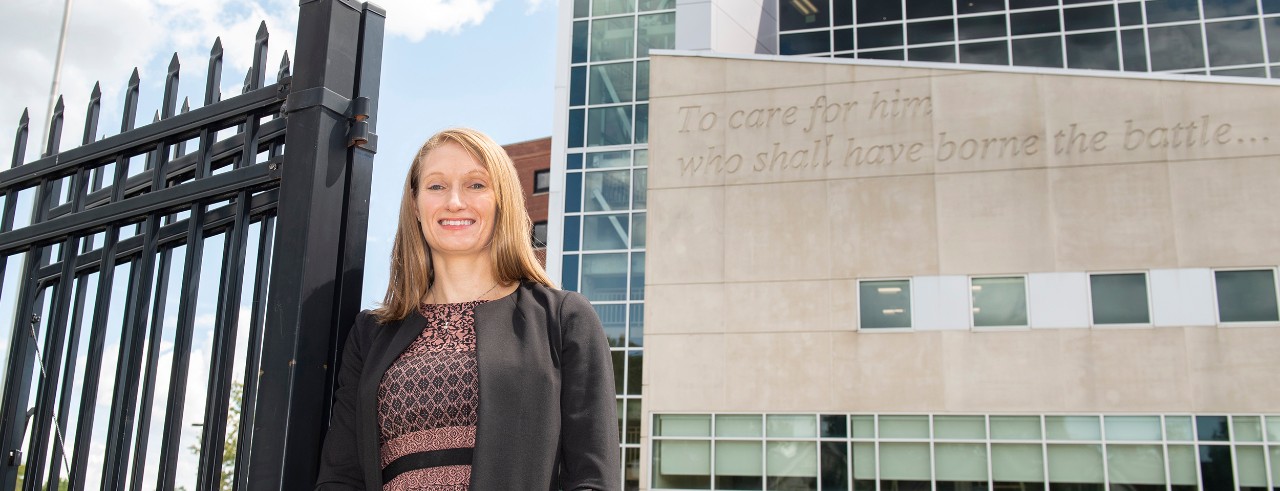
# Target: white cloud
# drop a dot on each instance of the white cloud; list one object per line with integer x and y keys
{"x": 414, "y": 19}
{"x": 532, "y": 6}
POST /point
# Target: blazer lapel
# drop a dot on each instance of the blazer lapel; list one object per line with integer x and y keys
{"x": 387, "y": 346}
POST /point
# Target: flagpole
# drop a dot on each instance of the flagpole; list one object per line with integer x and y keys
{"x": 57, "y": 70}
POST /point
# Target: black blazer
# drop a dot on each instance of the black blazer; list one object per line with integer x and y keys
{"x": 547, "y": 416}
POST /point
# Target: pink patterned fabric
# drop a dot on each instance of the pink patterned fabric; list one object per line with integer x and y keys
{"x": 428, "y": 398}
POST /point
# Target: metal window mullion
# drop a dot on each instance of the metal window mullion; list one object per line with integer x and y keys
{"x": 182, "y": 349}
{"x": 149, "y": 380}
{"x": 93, "y": 365}
{"x": 224, "y": 339}
{"x": 50, "y": 363}
{"x": 266, "y": 242}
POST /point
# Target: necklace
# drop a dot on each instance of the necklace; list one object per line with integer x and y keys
{"x": 436, "y": 300}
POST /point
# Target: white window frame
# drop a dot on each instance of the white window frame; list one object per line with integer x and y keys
{"x": 910, "y": 305}
{"x": 1026, "y": 292}
{"x": 1217, "y": 312}
{"x": 1146, "y": 275}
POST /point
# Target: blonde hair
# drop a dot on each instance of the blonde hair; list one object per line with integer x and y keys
{"x": 511, "y": 248}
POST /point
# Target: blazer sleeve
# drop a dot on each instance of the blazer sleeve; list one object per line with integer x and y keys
{"x": 339, "y": 461}
{"x": 589, "y": 421}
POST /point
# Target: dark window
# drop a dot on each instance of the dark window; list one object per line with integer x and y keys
{"x": 878, "y": 11}
{"x": 1130, "y": 14}
{"x": 1172, "y": 10}
{"x": 542, "y": 180}
{"x": 608, "y": 126}
{"x": 804, "y": 43}
{"x": 842, "y": 13}
{"x": 1027, "y": 4}
{"x": 539, "y": 235}
{"x": 1134, "y": 50}
{"x": 1271, "y": 6}
{"x": 1273, "y": 37}
{"x": 982, "y": 27}
{"x": 1095, "y": 50}
{"x": 889, "y": 54}
{"x": 934, "y": 31}
{"x": 572, "y": 231}
{"x": 1038, "y": 22}
{"x": 879, "y": 36}
{"x": 993, "y": 53}
{"x": 1234, "y": 43}
{"x": 843, "y": 39}
{"x": 642, "y": 80}
{"x": 642, "y": 123}
{"x": 1229, "y": 8}
{"x": 1119, "y": 298}
{"x": 580, "y": 41}
{"x": 573, "y": 194}
{"x": 1246, "y": 296}
{"x": 975, "y": 6}
{"x": 573, "y": 161}
{"x": 1043, "y": 52}
{"x": 1176, "y": 48}
{"x": 803, "y": 14}
{"x": 577, "y": 85}
{"x": 918, "y": 9}
{"x": 577, "y": 119}
{"x": 1081, "y": 18}
{"x": 1259, "y": 72}
{"x": 581, "y": 8}
{"x": 945, "y": 54}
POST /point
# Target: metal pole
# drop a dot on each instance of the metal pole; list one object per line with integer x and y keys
{"x": 57, "y": 69}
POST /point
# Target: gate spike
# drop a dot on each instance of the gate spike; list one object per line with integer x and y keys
{"x": 284, "y": 67}
{"x": 55, "y": 129}
{"x": 248, "y": 76}
{"x": 182, "y": 145}
{"x": 260, "y": 56}
{"x": 213, "y": 93}
{"x": 91, "y": 115}
{"x": 20, "y": 139}
{"x": 130, "y": 113}
{"x": 171, "y": 88}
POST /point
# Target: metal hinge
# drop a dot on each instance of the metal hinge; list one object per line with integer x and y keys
{"x": 359, "y": 134}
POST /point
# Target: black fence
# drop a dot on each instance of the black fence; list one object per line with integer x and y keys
{"x": 172, "y": 297}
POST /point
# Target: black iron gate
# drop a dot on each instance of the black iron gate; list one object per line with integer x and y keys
{"x": 172, "y": 297}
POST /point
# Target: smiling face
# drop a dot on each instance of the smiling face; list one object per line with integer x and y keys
{"x": 455, "y": 202}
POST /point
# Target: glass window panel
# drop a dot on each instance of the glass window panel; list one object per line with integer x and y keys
{"x": 863, "y": 426}
{"x": 1234, "y": 43}
{"x": 1043, "y": 52}
{"x": 572, "y": 225}
{"x": 833, "y": 426}
{"x": 975, "y": 6}
{"x": 1212, "y": 429}
{"x": 1130, "y": 14}
{"x": 614, "y": 319}
{"x": 647, "y": 5}
{"x": 1133, "y": 428}
{"x": 1015, "y": 427}
{"x": 1229, "y": 8}
{"x": 884, "y": 304}
{"x": 1246, "y": 428}
{"x": 633, "y": 421}
{"x": 636, "y": 336}
{"x": 1177, "y": 428}
{"x": 1038, "y": 22}
{"x": 1026, "y": 4}
{"x": 605, "y": 160}
{"x": 1172, "y": 11}
{"x": 577, "y": 121}
{"x": 607, "y": 191}
{"x": 917, "y": 9}
{"x": 790, "y": 425}
{"x": 610, "y": 7}
{"x": 946, "y": 54}
{"x": 803, "y": 14}
{"x": 1215, "y": 467}
{"x": 1273, "y": 429}
{"x": 639, "y": 188}
{"x": 637, "y": 276}
{"x": 746, "y": 425}
{"x": 642, "y": 80}
{"x": 1271, "y": 6}
{"x": 1096, "y": 17}
{"x": 736, "y": 460}
{"x": 841, "y": 13}
{"x": 604, "y": 232}
{"x": 864, "y": 460}
{"x": 834, "y": 465}
{"x": 959, "y": 428}
{"x": 612, "y": 39}
{"x": 580, "y": 30}
{"x": 993, "y": 53}
{"x": 1251, "y": 467}
{"x": 1134, "y": 50}
{"x": 888, "y": 54}
{"x": 569, "y": 275}
{"x": 961, "y": 461}
{"x": 879, "y": 36}
{"x": 999, "y": 301}
{"x": 1273, "y": 37}
{"x": 894, "y": 426}
{"x": 604, "y": 276}
{"x": 683, "y": 425}
{"x": 610, "y": 83}
{"x": 1182, "y": 465}
{"x": 981, "y": 27}
{"x": 878, "y": 11}
{"x": 619, "y": 371}
{"x": 1275, "y": 464}
{"x": 1017, "y": 462}
{"x": 638, "y": 229}
{"x": 934, "y": 31}
{"x": 1257, "y": 72}
{"x": 635, "y": 370}
{"x": 842, "y": 39}
{"x": 1119, "y": 298}
{"x": 581, "y": 8}
{"x": 608, "y": 126}
{"x": 642, "y": 123}
{"x": 804, "y": 43}
{"x": 577, "y": 86}
{"x": 1072, "y": 428}
{"x": 1175, "y": 47}
{"x": 1075, "y": 463}
{"x": 657, "y": 31}
{"x": 1135, "y": 464}
{"x": 682, "y": 464}
{"x": 790, "y": 459}
{"x": 904, "y": 461}
{"x": 1095, "y": 50}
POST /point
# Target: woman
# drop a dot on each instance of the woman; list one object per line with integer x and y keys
{"x": 475, "y": 373}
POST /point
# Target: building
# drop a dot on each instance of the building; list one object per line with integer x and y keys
{"x": 533, "y": 163}
{"x": 969, "y": 281}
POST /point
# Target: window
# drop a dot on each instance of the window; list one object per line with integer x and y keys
{"x": 884, "y": 304}
{"x": 1246, "y": 295}
{"x": 999, "y": 302}
{"x": 541, "y": 181}
{"x": 539, "y": 234}
{"x": 1119, "y": 298}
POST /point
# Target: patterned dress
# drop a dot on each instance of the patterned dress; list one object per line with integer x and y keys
{"x": 427, "y": 403}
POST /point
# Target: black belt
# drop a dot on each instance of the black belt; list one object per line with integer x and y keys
{"x": 423, "y": 460}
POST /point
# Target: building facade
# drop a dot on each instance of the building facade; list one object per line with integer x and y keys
{"x": 787, "y": 439}
{"x": 533, "y": 164}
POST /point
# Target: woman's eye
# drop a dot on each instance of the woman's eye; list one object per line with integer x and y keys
{"x": 477, "y": 185}
{"x": 435, "y": 187}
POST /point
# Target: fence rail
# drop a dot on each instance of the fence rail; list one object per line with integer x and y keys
{"x": 172, "y": 297}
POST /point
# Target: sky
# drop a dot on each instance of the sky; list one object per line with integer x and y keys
{"x": 487, "y": 64}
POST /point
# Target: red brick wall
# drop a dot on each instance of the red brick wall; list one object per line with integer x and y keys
{"x": 530, "y": 156}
